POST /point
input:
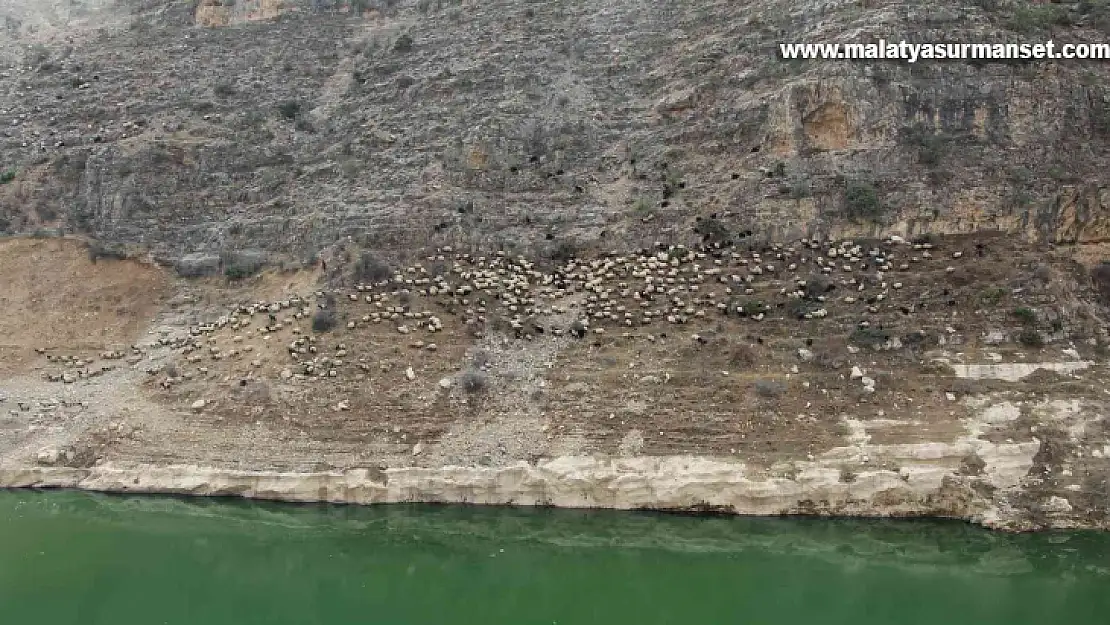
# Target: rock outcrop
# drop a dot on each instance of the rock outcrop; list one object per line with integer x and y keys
{"x": 278, "y": 128}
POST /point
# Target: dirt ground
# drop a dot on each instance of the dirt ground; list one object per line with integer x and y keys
{"x": 54, "y": 298}
{"x": 765, "y": 391}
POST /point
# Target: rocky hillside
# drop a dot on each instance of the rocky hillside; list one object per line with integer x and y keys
{"x": 610, "y": 253}
{"x": 275, "y": 128}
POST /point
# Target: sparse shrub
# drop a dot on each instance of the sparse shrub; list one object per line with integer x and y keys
{"x": 972, "y": 465}
{"x": 1101, "y": 277}
{"x": 1026, "y": 315}
{"x": 473, "y": 381}
{"x": 991, "y": 296}
{"x": 711, "y": 230}
{"x": 563, "y": 251}
{"x": 741, "y": 355}
{"x": 323, "y": 321}
{"x": 370, "y": 268}
{"x": 7, "y": 176}
{"x": 1029, "y": 18}
{"x": 1030, "y": 337}
{"x": 868, "y": 337}
{"x": 36, "y": 55}
{"x": 404, "y": 43}
{"x": 289, "y": 109}
{"x": 303, "y": 125}
{"x": 480, "y": 359}
{"x": 98, "y": 250}
{"x": 800, "y": 188}
{"x": 748, "y": 307}
{"x": 861, "y": 201}
{"x": 642, "y": 206}
{"x": 817, "y": 284}
{"x": 239, "y": 265}
{"x": 578, "y": 329}
{"x": 768, "y": 388}
{"x": 197, "y": 266}
{"x": 931, "y": 147}
{"x": 799, "y": 308}
{"x": 847, "y": 476}
{"x": 920, "y": 338}
{"x": 236, "y": 272}
{"x": 828, "y": 359}
{"x": 223, "y": 89}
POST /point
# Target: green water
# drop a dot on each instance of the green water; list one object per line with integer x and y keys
{"x": 75, "y": 558}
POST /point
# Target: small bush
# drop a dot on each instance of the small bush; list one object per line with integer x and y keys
{"x": 847, "y": 476}
{"x": 768, "y": 388}
{"x": 564, "y": 251}
{"x": 1026, "y": 315}
{"x": 868, "y": 337}
{"x": 1043, "y": 273}
{"x": 800, "y": 188}
{"x": 816, "y": 285}
{"x": 480, "y": 359}
{"x": 861, "y": 201}
{"x": 1038, "y": 17}
{"x": 289, "y": 109}
{"x": 240, "y": 265}
{"x": 323, "y": 321}
{"x": 7, "y": 176}
{"x": 990, "y": 296}
{"x": 752, "y": 307}
{"x": 1030, "y": 337}
{"x": 931, "y": 147}
{"x": 98, "y": 250}
{"x": 1101, "y": 277}
{"x": 223, "y": 89}
{"x": 711, "y": 230}
{"x": 370, "y": 268}
{"x": 473, "y": 381}
{"x": 972, "y": 465}
{"x": 741, "y": 355}
{"x": 404, "y": 43}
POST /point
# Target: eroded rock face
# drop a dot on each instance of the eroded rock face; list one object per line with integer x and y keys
{"x": 1017, "y": 483}
{"x": 641, "y": 121}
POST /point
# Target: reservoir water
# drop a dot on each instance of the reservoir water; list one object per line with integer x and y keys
{"x": 71, "y": 558}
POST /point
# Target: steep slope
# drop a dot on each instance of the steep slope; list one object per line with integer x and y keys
{"x": 283, "y": 126}
{"x": 577, "y": 253}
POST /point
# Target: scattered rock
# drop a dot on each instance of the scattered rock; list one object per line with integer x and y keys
{"x": 48, "y": 456}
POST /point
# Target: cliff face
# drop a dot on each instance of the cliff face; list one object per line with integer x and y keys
{"x": 283, "y": 126}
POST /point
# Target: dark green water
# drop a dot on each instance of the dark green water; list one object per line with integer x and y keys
{"x": 75, "y": 558}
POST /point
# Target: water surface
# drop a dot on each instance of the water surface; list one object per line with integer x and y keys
{"x": 84, "y": 559}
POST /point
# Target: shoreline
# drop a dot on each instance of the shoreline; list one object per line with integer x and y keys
{"x": 676, "y": 484}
